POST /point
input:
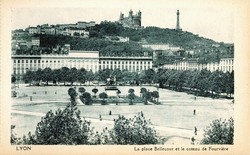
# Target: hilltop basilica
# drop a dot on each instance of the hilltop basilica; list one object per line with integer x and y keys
{"x": 132, "y": 21}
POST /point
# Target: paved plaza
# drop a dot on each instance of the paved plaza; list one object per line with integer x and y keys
{"x": 174, "y": 118}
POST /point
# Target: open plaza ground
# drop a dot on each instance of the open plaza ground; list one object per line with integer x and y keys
{"x": 173, "y": 119}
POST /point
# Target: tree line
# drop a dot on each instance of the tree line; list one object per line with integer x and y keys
{"x": 200, "y": 82}
{"x": 203, "y": 82}
{"x": 67, "y": 75}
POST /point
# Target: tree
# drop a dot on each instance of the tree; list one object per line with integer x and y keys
{"x": 29, "y": 77}
{"x": 95, "y": 90}
{"x": 229, "y": 83}
{"x": 47, "y": 75}
{"x": 217, "y": 82}
{"x": 62, "y": 127}
{"x": 81, "y": 90}
{"x": 65, "y": 71}
{"x": 72, "y": 93}
{"x": 103, "y": 95}
{"x": 135, "y": 131}
{"x": 13, "y": 79}
{"x": 72, "y": 76}
{"x": 81, "y": 77}
{"x": 56, "y": 75}
{"x": 90, "y": 76}
{"x": 219, "y": 132}
{"x": 142, "y": 92}
{"x": 86, "y": 98}
{"x": 131, "y": 96}
{"x": 155, "y": 95}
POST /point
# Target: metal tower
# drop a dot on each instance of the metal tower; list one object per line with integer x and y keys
{"x": 178, "y": 21}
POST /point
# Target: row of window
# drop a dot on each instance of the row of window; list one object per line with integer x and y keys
{"x": 227, "y": 62}
{"x": 48, "y": 61}
{"x": 123, "y": 62}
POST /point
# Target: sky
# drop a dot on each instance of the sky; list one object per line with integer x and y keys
{"x": 212, "y": 23}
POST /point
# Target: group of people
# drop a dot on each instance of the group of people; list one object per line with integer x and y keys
{"x": 100, "y": 116}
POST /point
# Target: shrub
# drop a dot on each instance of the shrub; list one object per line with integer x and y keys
{"x": 86, "y": 98}
{"x": 219, "y": 132}
{"x": 135, "y": 131}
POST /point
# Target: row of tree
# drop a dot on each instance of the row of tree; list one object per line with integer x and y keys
{"x": 72, "y": 75}
{"x": 202, "y": 82}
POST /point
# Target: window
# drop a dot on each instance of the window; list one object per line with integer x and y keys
{"x": 14, "y": 61}
{"x": 18, "y": 61}
{"x": 27, "y": 61}
{"x": 30, "y": 61}
{"x": 34, "y": 61}
{"x": 22, "y": 61}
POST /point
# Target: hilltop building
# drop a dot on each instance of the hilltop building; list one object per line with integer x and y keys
{"x": 132, "y": 21}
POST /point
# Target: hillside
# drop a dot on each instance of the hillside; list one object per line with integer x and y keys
{"x": 205, "y": 49}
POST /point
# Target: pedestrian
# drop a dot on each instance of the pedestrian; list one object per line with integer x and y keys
{"x": 100, "y": 117}
{"x": 110, "y": 112}
{"x": 195, "y": 130}
{"x": 195, "y": 98}
{"x": 194, "y": 111}
{"x": 192, "y": 139}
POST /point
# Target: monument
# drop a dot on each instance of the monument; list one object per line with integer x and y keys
{"x": 111, "y": 88}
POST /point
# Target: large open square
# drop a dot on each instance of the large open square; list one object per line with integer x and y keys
{"x": 173, "y": 119}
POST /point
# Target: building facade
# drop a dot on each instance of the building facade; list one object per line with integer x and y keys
{"x": 89, "y": 60}
{"x": 78, "y": 59}
{"x": 224, "y": 65}
{"x": 132, "y": 64}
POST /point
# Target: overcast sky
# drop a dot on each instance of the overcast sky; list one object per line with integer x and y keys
{"x": 216, "y": 24}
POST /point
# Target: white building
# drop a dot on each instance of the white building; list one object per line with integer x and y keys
{"x": 82, "y": 33}
{"x": 89, "y": 60}
{"x": 78, "y": 59}
{"x": 225, "y": 64}
{"x": 161, "y": 47}
{"x": 133, "y": 64}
